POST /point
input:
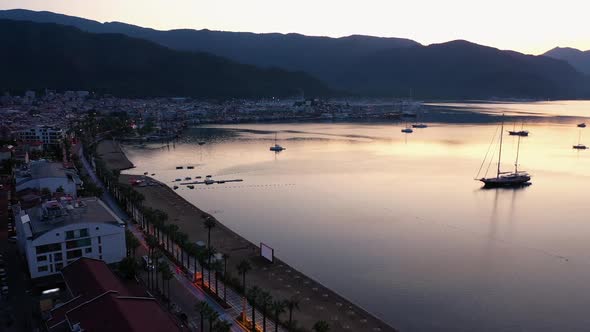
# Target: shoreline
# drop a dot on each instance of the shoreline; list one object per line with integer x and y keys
{"x": 317, "y": 302}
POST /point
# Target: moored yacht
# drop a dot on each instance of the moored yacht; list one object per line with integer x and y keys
{"x": 276, "y": 147}
{"x": 582, "y": 125}
{"x": 507, "y": 179}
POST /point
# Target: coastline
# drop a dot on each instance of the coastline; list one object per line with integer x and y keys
{"x": 317, "y": 302}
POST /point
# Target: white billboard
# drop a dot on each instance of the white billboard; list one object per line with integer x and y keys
{"x": 267, "y": 252}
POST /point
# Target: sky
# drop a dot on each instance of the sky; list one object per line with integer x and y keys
{"x": 528, "y": 26}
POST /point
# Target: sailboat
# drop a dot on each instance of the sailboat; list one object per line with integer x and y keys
{"x": 276, "y": 147}
{"x": 507, "y": 179}
{"x": 407, "y": 130}
{"x": 520, "y": 132}
{"x": 419, "y": 124}
{"x": 580, "y": 146}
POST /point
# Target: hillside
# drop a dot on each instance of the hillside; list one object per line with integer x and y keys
{"x": 578, "y": 59}
{"x": 40, "y": 55}
{"x": 371, "y": 66}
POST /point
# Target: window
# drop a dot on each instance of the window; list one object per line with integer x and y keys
{"x": 41, "y": 258}
{"x": 58, "y": 257}
{"x": 99, "y": 240}
{"x": 42, "y": 269}
{"x": 48, "y": 248}
{"x": 87, "y": 250}
{"x": 74, "y": 253}
{"x": 78, "y": 233}
{"x": 100, "y": 249}
{"x": 59, "y": 266}
{"x": 78, "y": 243}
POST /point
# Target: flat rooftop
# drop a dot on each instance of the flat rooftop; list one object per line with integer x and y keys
{"x": 53, "y": 214}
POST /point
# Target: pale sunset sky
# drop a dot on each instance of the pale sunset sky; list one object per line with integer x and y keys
{"x": 528, "y": 26}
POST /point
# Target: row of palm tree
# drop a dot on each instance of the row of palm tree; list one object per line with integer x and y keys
{"x": 167, "y": 236}
{"x": 207, "y": 313}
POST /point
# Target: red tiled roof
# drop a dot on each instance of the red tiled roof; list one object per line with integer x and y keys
{"x": 103, "y": 303}
{"x": 91, "y": 277}
{"x": 120, "y": 313}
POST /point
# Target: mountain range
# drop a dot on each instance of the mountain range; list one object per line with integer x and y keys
{"x": 578, "y": 59}
{"x": 47, "y": 55}
{"x": 365, "y": 65}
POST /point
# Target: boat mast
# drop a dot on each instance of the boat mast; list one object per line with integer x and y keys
{"x": 517, "y": 154}
{"x": 500, "y": 153}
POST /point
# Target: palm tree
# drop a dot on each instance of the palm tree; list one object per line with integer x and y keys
{"x": 209, "y": 224}
{"x": 264, "y": 301}
{"x": 210, "y": 253}
{"x": 156, "y": 255}
{"x": 151, "y": 243}
{"x": 277, "y": 308}
{"x": 181, "y": 239}
{"x": 225, "y": 258}
{"x": 292, "y": 304}
{"x": 243, "y": 268}
{"x": 202, "y": 258}
{"x": 160, "y": 266}
{"x": 172, "y": 231}
{"x": 253, "y": 294}
{"x": 132, "y": 243}
{"x": 202, "y": 307}
{"x": 167, "y": 275}
{"x": 217, "y": 267}
{"x": 321, "y": 326}
{"x": 222, "y": 326}
{"x": 212, "y": 317}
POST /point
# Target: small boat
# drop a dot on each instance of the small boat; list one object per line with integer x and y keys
{"x": 201, "y": 143}
{"x": 191, "y": 187}
{"x": 145, "y": 173}
{"x": 507, "y": 179}
{"x": 407, "y": 130}
{"x": 276, "y": 147}
{"x": 580, "y": 146}
{"x": 209, "y": 181}
{"x": 208, "y": 176}
{"x": 197, "y": 177}
{"x": 522, "y": 133}
{"x": 187, "y": 178}
{"x": 177, "y": 180}
{"x": 179, "y": 167}
{"x": 175, "y": 187}
{"x": 190, "y": 167}
{"x": 153, "y": 174}
{"x": 582, "y": 125}
{"x": 419, "y": 125}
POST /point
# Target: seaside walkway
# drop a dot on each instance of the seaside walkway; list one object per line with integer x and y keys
{"x": 183, "y": 292}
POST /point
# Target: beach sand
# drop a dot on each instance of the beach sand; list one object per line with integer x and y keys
{"x": 110, "y": 152}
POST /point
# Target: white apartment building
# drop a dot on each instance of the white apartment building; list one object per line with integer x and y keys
{"x": 55, "y": 233}
{"x": 46, "y": 134}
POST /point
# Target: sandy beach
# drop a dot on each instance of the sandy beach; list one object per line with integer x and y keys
{"x": 281, "y": 280}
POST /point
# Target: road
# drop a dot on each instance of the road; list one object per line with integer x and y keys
{"x": 182, "y": 290}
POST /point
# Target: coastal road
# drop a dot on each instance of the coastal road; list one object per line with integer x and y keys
{"x": 183, "y": 292}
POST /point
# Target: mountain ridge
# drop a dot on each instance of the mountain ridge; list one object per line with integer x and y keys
{"x": 577, "y": 58}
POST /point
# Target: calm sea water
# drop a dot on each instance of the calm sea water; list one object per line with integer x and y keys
{"x": 396, "y": 222}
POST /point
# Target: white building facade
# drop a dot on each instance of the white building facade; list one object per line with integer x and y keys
{"x": 46, "y": 134}
{"x": 56, "y": 233}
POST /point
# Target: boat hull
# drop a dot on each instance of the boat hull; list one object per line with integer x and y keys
{"x": 506, "y": 181}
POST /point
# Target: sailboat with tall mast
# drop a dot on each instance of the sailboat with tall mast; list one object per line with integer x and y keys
{"x": 580, "y": 146}
{"x": 276, "y": 147}
{"x": 507, "y": 179}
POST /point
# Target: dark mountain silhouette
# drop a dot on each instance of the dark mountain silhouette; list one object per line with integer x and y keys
{"x": 369, "y": 65}
{"x": 578, "y": 59}
{"x": 45, "y": 55}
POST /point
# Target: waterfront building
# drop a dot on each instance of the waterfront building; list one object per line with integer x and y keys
{"x": 41, "y": 174}
{"x": 46, "y": 134}
{"x": 55, "y": 233}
